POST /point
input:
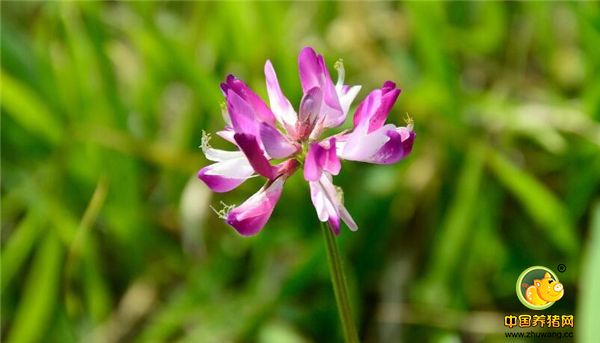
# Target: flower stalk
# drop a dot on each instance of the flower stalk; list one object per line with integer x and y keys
{"x": 340, "y": 289}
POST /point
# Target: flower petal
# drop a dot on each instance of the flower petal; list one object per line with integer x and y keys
{"x": 226, "y": 175}
{"x": 345, "y": 93}
{"x": 374, "y": 109}
{"x": 276, "y": 145}
{"x": 321, "y": 157}
{"x": 242, "y": 115}
{"x": 312, "y": 170}
{"x": 398, "y": 147}
{"x": 259, "y": 108}
{"x": 251, "y": 216}
{"x": 308, "y": 115}
{"x": 327, "y": 200}
{"x": 280, "y": 105}
{"x": 310, "y": 69}
{"x": 249, "y": 145}
{"x": 334, "y": 223}
{"x": 227, "y": 134}
{"x": 360, "y": 145}
{"x": 217, "y": 155}
{"x": 333, "y": 115}
{"x": 347, "y": 96}
{"x": 314, "y": 73}
{"x": 385, "y": 145}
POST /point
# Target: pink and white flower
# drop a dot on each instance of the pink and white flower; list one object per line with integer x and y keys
{"x": 264, "y": 133}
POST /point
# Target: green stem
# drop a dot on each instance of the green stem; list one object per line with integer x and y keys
{"x": 340, "y": 289}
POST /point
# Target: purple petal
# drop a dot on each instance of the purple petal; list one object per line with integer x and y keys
{"x": 312, "y": 169}
{"x": 225, "y": 85}
{"x": 329, "y": 93}
{"x": 251, "y": 216}
{"x": 241, "y": 114}
{"x": 249, "y": 145}
{"x": 398, "y": 147}
{"x": 375, "y": 108}
{"x": 218, "y": 183}
{"x": 308, "y": 115}
{"x": 276, "y": 145}
{"x": 226, "y": 175}
{"x": 331, "y": 162}
{"x": 385, "y": 145}
{"x": 334, "y": 223}
{"x": 321, "y": 157}
{"x": 366, "y": 108}
{"x": 389, "y": 95}
{"x": 310, "y": 105}
{"x": 314, "y": 73}
{"x": 310, "y": 70}
{"x": 259, "y": 109}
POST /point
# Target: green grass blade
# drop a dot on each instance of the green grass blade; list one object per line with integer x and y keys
{"x": 457, "y": 225}
{"x": 588, "y": 314}
{"x": 539, "y": 202}
{"x": 38, "y": 300}
{"x": 18, "y": 247}
{"x": 28, "y": 110}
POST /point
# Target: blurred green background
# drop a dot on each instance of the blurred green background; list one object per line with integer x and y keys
{"x": 107, "y": 234}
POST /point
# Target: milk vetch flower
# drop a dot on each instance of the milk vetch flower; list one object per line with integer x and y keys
{"x": 262, "y": 134}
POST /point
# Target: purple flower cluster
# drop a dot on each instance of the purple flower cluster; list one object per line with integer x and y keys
{"x": 263, "y": 134}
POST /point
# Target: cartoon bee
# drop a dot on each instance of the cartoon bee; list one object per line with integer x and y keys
{"x": 544, "y": 291}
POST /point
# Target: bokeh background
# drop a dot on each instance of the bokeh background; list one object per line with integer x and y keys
{"x": 107, "y": 235}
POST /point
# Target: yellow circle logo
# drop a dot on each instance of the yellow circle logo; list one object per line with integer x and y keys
{"x": 538, "y": 288}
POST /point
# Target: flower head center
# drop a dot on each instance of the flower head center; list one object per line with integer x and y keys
{"x": 301, "y": 154}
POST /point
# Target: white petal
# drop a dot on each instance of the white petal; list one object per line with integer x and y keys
{"x": 361, "y": 145}
{"x": 318, "y": 199}
{"x": 234, "y": 168}
{"x": 347, "y": 218}
{"x": 219, "y": 155}
{"x": 328, "y": 202}
{"x": 347, "y": 98}
{"x": 227, "y": 135}
{"x": 280, "y": 105}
